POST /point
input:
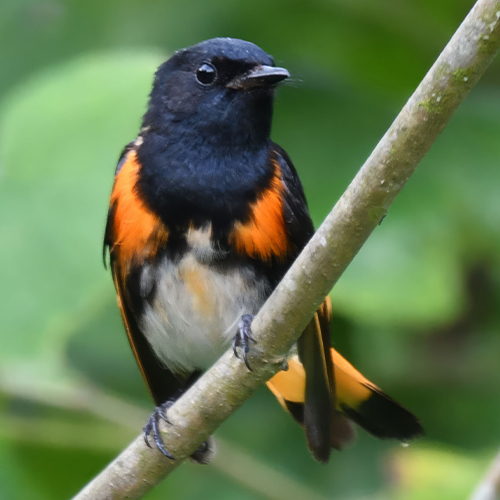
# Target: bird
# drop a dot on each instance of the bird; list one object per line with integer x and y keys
{"x": 206, "y": 215}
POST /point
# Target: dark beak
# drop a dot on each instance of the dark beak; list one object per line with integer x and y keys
{"x": 260, "y": 76}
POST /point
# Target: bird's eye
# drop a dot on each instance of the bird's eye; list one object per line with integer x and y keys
{"x": 206, "y": 74}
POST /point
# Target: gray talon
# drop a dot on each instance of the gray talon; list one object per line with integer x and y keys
{"x": 153, "y": 428}
{"x": 242, "y": 338}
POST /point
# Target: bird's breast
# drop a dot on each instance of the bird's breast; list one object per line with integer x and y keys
{"x": 196, "y": 304}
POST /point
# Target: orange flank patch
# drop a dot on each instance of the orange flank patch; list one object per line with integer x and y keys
{"x": 137, "y": 233}
{"x": 264, "y": 236}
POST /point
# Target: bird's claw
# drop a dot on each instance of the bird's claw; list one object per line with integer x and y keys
{"x": 152, "y": 428}
{"x": 242, "y": 338}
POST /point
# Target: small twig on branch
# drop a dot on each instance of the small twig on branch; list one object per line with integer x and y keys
{"x": 489, "y": 488}
{"x": 222, "y": 390}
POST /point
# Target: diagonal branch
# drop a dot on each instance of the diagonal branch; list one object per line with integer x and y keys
{"x": 489, "y": 488}
{"x": 222, "y": 390}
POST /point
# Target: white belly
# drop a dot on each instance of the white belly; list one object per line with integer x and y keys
{"x": 195, "y": 311}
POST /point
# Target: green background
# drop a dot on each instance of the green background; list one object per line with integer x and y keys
{"x": 417, "y": 311}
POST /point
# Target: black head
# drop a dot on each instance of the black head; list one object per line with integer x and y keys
{"x": 220, "y": 90}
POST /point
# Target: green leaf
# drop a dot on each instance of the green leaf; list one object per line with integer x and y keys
{"x": 60, "y": 137}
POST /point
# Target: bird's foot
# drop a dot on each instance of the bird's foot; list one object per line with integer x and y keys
{"x": 152, "y": 428}
{"x": 205, "y": 452}
{"x": 243, "y": 337}
{"x": 203, "y": 455}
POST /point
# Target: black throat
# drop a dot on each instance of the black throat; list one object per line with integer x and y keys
{"x": 207, "y": 164}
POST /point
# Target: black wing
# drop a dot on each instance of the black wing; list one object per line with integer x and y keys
{"x": 162, "y": 383}
{"x": 296, "y": 212}
{"x": 318, "y": 409}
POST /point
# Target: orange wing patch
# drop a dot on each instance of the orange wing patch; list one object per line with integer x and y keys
{"x": 264, "y": 236}
{"x": 137, "y": 233}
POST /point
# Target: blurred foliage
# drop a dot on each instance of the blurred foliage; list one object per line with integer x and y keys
{"x": 416, "y": 311}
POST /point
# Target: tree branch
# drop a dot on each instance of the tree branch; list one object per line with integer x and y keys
{"x": 222, "y": 390}
{"x": 489, "y": 488}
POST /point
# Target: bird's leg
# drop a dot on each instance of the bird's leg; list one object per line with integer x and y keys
{"x": 243, "y": 337}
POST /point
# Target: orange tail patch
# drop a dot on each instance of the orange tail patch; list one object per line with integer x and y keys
{"x": 358, "y": 399}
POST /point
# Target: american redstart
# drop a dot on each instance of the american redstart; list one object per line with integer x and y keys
{"x": 207, "y": 214}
